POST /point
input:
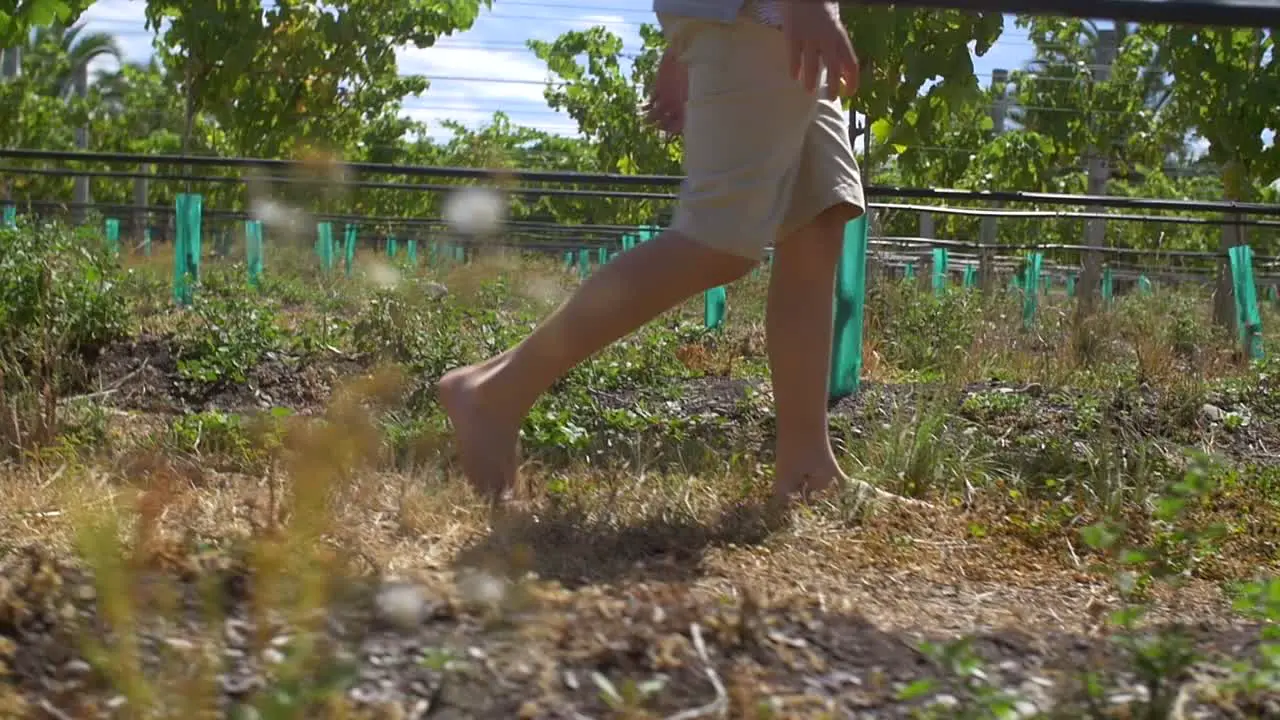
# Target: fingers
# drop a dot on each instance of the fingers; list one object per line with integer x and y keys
{"x": 844, "y": 78}
{"x": 807, "y": 59}
{"x": 665, "y": 115}
{"x": 812, "y": 67}
{"x": 795, "y": 54}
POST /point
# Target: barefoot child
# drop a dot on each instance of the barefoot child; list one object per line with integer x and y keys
{"x": 754, "y": 88}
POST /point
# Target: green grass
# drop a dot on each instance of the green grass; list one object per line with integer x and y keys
{"x": 289, "y": 433}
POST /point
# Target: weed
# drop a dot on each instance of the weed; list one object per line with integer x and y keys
{"x": 228, "y": 332}
{"x": 645, "y": 476}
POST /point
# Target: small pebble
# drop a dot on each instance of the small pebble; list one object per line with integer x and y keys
{"x": 402, "y": 605}
{"x": 1026, "y": 709}
{"x": 179, "y": 643}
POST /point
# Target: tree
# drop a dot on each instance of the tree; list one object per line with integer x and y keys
{"x": 133, "y": 111}
{"x": 58, "y": 56}
{"x": 605, "y": 101}
{"x": 1120, "y": 111}
{"x": 16, "y": 23}
{"x": 1225, "y": 85}
{"x": 901, "y": 51}
{"x": 300, "y": 73}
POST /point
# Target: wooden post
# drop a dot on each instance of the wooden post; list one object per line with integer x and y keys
{"x": 1099, "y": 171}
{"x": 988, "y": 232}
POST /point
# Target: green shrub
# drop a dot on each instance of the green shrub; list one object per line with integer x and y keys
{"x": 922, "y": 331}
{"x": 229, "y": 331}
{"x": 425, "y": 335}
{"x": 59, "y": 296}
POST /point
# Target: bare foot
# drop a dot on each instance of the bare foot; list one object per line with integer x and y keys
{"x": 792, "y": 488}
{"x": 487, "y": 443}
{"x": 788, "y": 489}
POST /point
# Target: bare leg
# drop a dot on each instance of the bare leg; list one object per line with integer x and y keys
{"x": 487, "y": 402}
{"x": 798, "y": 323}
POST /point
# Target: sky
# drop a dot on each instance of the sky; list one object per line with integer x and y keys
{"x": 487, "y": 68}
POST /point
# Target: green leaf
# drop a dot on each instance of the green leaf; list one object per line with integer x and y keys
{"x": 1098, "y": 536}
{"x": 917, "y": 689}
{"x": 880, "y": 130}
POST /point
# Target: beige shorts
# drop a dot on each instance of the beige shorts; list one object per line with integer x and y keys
{"x": 762, "y": 156}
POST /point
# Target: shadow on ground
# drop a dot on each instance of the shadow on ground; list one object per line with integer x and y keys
{"x": 570, "y": 546}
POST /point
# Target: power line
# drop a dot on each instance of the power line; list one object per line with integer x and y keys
{"x": 668, "y": 181}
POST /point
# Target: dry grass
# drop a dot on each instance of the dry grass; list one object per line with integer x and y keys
{"x": 563, "y": 581}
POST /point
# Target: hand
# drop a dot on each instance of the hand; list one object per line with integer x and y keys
{"x": 815, "y": 37}
{"x": 670, "y": 92}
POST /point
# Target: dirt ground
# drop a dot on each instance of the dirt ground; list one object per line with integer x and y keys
{"x": 643, "y": 602}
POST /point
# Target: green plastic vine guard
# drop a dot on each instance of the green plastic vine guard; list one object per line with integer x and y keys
{"x": 628, "y": 242}
{"x": 393, "y": 247}
{"x": 1249, "y": 319}
{"x": 1272, "y": 295}
{"x": 10, "y": 215}
{"x": 602, "y": 255}
{"x": 1108, "y": 285}
{"x": 1031, "y": 289}
{"x": 113, "y": 235}
{"x": 351, "y": 236}
{"x": 1071, "y": 285}
{"x": 253, "y": 250}
{"x": 940, "y": 261}
{"x": 909, "y": 272}
{"x": 970, "y": 276}
{"x": 460, "y": 254}
{"x": 851, "y": 277}
{"x": 713, "y": 306}
{"x": 584, "y": 264}
{"x": 433, "y": 253}
{"x": 146, "y": 242}
{"x": 411, "y": 252}
{"x": 569, "y": 260}
{"x": 186, "y": 253}
{"x": 324, "y": 242}
{"x": 1144, "y": 285}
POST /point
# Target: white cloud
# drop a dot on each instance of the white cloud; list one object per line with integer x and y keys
{"x": 486, "y": 74}
{"x": 472, "y": 74}
{"x": 116, "y": 10}
{"x": 126, "y": 20}
{"x": 469, "y": 83}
